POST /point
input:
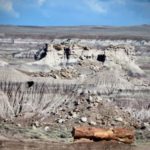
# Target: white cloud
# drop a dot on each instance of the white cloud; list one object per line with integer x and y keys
{"x": 7, "y": 6}
{"x": 96, "y": 5}
{"x": 41, "y": 2}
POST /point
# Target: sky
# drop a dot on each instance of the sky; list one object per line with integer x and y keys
{"x": 74, "y": 12}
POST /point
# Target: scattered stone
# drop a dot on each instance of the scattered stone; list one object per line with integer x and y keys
{"x": 89, "y": 107}
{"x": 74, "y": 115}
{"x": 98, "y": 117}
{"x": 76, "y": 103}
{"x": 61, "y": 121}
{"x": 46, "y": 128}
{"x": 81, "y": 58}
{"x": 67, "y": 117}
{"x": 34, "y": 127}
{"x": 83, "y": 119}
{"x": 19, "y": 125}
{"x": 95, "y": 104}
{"x": 98, "y": 99}
{"x": 37, "y": 124}
{"x": 146, "y": 124}
{"x": 70, "y": 113}
{"x": 113, "y": 123}
{"x": 119, "y": 119}
{"x": 90, "y": 99}
{"x": 92, "y": 123}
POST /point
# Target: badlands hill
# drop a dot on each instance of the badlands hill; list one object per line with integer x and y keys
{"x": 45, "y": 98}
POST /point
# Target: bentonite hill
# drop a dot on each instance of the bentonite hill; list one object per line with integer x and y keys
{"x": 105, "y": 83}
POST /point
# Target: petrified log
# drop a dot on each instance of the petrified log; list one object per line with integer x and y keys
{"x": 120, "y": 134}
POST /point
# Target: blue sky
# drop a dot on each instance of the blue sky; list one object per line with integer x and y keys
{"x": 75, "y": 12}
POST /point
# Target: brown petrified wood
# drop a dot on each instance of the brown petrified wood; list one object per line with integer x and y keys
{"x": 119, "y": 134}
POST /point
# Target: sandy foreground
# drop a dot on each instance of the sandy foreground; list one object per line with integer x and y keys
{"x": 41, "y": 145}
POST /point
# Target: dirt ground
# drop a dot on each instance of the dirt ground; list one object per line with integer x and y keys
{"x": 39, "y": 145}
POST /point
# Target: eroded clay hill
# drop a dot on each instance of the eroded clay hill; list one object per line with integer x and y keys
{"x": 105, "y": 83}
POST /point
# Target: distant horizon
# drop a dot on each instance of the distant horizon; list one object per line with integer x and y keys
{"x": 75, "y": 25}
{"x": 75, "y": 12}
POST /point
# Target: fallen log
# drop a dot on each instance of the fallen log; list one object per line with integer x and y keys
{"x": 96, "y": 134}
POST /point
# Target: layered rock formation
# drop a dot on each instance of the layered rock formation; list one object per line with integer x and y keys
{"x": 112, "y": 90}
